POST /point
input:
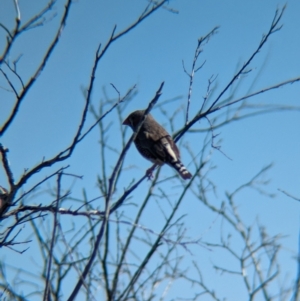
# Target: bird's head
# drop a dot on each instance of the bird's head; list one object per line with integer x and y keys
{"x": 133, "y": 119}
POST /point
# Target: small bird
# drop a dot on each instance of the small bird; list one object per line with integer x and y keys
{"x": 155, "y": 144}
{"x": 3, "y": 199}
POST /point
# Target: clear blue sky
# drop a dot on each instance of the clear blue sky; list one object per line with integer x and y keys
{"x": 150, "y": 54}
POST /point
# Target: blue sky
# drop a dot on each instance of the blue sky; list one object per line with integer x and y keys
{"x": 150, "y": 54}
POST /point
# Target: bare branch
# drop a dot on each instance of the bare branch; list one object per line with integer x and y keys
{"x": 38, "y": 70}
{"x": 191, "y": 75}
{"x": 108, "y": 199}
{"x": 55, "y": 223}
{"x": 273, "y": 28}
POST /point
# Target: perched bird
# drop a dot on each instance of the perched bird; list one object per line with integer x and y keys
{"x": 155, "y": 143}
{"x": 3, "y": 199}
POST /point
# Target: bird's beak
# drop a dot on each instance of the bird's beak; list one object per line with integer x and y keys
{"x": 126, "y": 122}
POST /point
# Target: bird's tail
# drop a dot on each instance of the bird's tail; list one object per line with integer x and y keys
{"x": 181, "y": 169}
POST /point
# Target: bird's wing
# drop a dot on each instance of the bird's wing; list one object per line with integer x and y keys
{"x": 166, "y": 150}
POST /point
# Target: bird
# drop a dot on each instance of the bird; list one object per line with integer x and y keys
{"x": 155, "y": 144}
{"x": 3, "y": 200}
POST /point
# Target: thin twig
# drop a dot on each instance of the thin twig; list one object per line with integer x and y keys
{"x": 54, "y": 237}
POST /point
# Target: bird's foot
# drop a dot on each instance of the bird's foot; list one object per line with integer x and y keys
{"x": 149, "y": 172}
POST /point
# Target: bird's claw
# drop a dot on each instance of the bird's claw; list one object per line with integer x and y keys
{"x": 149, "y": 175}
{"x": 149, "y": 172}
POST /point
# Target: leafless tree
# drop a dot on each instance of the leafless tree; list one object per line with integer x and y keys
{"x": 95, "y": 249}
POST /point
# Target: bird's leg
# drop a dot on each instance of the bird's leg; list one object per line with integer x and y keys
{"x": 149, "y": 172}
